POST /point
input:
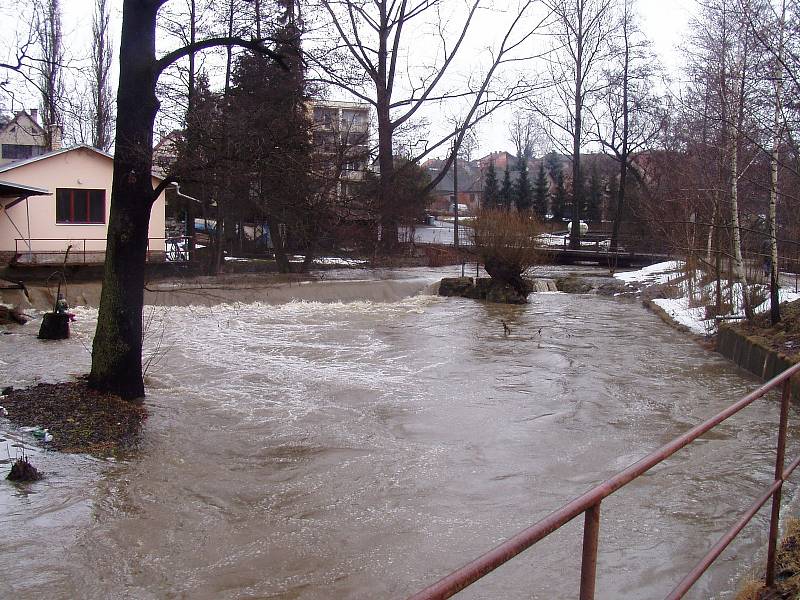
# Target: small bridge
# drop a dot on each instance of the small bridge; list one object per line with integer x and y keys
{"x": 601, "y": 256}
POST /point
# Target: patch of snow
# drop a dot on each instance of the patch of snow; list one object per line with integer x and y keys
{"x": 784, "y": 295}
{"x": 679, "y": 311}
{"x": 658, "y": 273}
{"x": 335, "y": 260}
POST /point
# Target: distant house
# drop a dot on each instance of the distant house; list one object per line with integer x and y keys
{"x": 469, "y": 184}
{"x": 60, "y": 199}
{"x": 21, "y": 137}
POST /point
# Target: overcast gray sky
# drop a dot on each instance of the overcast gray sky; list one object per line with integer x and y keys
{"x": 664, "y": 23}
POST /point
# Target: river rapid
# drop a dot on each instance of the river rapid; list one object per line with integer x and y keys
{"x": 326, "y": 450}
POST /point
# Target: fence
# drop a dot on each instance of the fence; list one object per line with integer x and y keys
{"x": 93, "y": 250}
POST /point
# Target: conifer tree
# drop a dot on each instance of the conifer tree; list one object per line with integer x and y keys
{"x": 523, "y": 196}
{"x": 594, "y": 197}
{"x": 560, "y": 198}
{"x": 506, "y": 191}
{"x": 491, "y": 193}
{"x": 541, "y": 187}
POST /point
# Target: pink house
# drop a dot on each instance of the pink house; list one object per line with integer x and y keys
{"x": 60, "y": 199}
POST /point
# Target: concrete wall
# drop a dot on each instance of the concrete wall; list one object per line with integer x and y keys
{"x": 80, "y": 168}
{"x": 754, "y": 355}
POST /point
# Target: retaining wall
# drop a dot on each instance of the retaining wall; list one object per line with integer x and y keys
{"x": 754, "y": 354}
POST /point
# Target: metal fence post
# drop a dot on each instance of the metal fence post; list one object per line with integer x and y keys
{"x": 774, "y": 523}
{"x": 591, "y": 534}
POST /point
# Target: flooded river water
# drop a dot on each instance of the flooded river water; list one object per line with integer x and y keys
{"x": 317, "y": 450}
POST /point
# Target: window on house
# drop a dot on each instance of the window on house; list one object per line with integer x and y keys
{"x": 80, "y": 206}
{"x": 20, "y": 151}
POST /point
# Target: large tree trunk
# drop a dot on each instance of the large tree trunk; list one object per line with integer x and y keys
{"x": 117, "y": 347}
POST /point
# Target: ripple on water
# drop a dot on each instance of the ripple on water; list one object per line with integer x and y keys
{"x": 357, "y": 450}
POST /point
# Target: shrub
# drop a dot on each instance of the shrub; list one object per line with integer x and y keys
{"x": 506, "y": 244}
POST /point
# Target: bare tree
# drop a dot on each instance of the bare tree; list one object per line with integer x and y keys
{"x": 100, "y": 84}
{"x": 523, "y": 130}
{"x": 372, "y": 36}
{"x": 580, "y": 30}
{"x": 17, "y": 51}
{"x": 630, "y": 117}
{"x": 49, "y": 66}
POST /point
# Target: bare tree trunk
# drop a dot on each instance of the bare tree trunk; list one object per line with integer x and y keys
{"x": 49, "y": 67}
{"x": 623, "y": 159}
{"x": 774, "y": 284}
{"x": 735, "y": 128}
{"x": 192, "y": 66}
{"x": 577, "y": 184}
{"x": 102, "y": 55}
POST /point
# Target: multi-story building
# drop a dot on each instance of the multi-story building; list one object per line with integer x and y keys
{"x": 341, "y": 136}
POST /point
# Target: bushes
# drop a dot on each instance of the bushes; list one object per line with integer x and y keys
{"x": 505, "y": 243}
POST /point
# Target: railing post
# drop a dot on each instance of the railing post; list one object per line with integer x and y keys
{"x": 774, "y": 523}
{"x": 591, "y": 534}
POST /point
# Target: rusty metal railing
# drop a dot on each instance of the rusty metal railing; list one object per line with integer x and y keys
{"x": 92, "y": 250}
{"x": 588, "y": 504}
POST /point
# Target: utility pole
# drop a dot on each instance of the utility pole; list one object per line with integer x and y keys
{"x": 455, "y": 190}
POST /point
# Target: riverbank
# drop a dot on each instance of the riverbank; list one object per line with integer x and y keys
{"x": 70, "y": 417}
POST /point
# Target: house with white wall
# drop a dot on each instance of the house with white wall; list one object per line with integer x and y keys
{"x": 67, "y": 204}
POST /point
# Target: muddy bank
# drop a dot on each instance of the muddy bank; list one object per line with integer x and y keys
{"x": 70, "y": 417}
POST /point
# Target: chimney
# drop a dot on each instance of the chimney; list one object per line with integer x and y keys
{"x": 35, "y": 115}
{"x": 55, "y": 137}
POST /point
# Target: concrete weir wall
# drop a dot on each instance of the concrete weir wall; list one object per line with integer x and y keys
{"x": 750, "y": 353}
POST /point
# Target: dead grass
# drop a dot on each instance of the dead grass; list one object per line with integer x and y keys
{"x": 787, "y": 569}
{"x": 784, "y": 337}
{"x": 80, "y": 419}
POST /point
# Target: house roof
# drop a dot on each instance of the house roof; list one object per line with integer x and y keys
{"x": 469, "y": 176}
{"x": 20, "y": 163}
{"x": 13, "y": 190}
{"x": 17, "y": 116}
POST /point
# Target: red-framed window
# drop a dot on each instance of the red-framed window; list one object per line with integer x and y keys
{"x": 80, "y": 206}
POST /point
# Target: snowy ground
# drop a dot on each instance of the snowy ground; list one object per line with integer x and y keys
{"x": 688, "y": 308}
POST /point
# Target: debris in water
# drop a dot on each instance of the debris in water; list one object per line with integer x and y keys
{"x": 23, "y": 470}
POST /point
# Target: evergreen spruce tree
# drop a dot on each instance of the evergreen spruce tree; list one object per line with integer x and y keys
{"x": 541, "y": 188}
{"x": 272, "y": 157}
{"x": 594, "y": 197}
{"x": 506, "y": 191}
{"x": 491, "y": 193}
{"x": 560, "y": 198}
{"x": 553, "y": 162}
{"x": 523, "y": 195}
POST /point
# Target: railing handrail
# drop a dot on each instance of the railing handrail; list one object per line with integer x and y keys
{"x": 488, "y": 562}
{"x": 100, "y": 239}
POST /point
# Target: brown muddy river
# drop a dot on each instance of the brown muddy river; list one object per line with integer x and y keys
{"x": 362, "y": 450}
